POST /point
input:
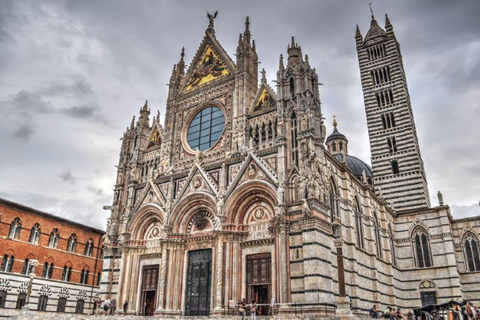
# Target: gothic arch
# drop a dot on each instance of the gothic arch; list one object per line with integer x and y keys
{"x": 421, "y": 247}
{"x": 242, "y": 200}
{"x": 184, "y": 211}
{"x": 471, "y": 252}
{"x": 148, "y": 215}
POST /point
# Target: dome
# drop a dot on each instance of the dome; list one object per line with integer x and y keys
{"x": 336, "y": 135}
{"x": 356, "y": 165}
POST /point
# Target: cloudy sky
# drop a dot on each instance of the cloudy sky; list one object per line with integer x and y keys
{"x": 73, "y": 73}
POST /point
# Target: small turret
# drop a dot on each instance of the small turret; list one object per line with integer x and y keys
{"x": 337, "y": 142}
{"x": 294, "y": 52}
{"x": 144, "y": 115}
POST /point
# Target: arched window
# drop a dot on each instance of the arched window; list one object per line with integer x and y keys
{"x": 72, "y": 243}
{"x": 472, "y": 259}
{"x": 67, "y": 271}
{"x": 3, "y": 297}
{"x": 27, "y": 267}
{"x": 15, "y": 228}
{"x": 359, "y": 224}
{"x": 42, "y": 303}
{"x": 395, "y": 168}
{"x": 378, "y": 238}
{"x": 89, "y": 247}
{"x": 294, "y": 139}
{"x": 47, "y": 270}
{"x": 53, "y": 240}
{"x": 99, "y": 277}
{"x": 84, "y": 276}
{"x": 35, "y": 234}
{"x": 7, "y": 263}
{"x": 334, "y": 146}
{"x": 292, "y": 87}
{"x": 333, "y": 201}
{"x": 422, "y": 248}
{"x": 392, "y": 245}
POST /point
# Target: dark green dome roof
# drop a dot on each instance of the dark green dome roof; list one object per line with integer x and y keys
{"x": 356, "y": 165}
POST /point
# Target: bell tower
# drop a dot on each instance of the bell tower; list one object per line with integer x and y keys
{"x": 396, "y": 160}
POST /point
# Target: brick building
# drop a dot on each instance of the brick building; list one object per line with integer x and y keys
{"x": 69, "y": 261}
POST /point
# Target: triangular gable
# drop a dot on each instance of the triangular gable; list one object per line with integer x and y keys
{"x": 265, "y": 99}
{"x": 210, "y": 63}
{"x": 150, "y": 194}
{"x": 252, "y": 168}
{"x": 197, "y": 180}
{"x": 155, "y": 139}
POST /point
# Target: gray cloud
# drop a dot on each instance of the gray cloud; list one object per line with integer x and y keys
{"x": 67, "y": 176}
{"x": 23, "y": 132}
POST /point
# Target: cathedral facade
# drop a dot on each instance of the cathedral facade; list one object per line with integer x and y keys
{"x": 241, "y": 194}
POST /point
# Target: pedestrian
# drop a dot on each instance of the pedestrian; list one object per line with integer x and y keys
{"x": 125, "y": 307}
{"x": 457, "y": 313}
{"x": 469, "y": 311}
{"x": 241, "y": 309}
{"x": 113, "y": 307}
{"x": 106, "y": 305}
{"x": 253, "y": 310}
{"x": 98, "y": 305}
{"x": 374, "y": 312}
{"x": 400, "y": 315}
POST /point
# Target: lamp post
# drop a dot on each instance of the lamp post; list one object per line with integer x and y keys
{"x": 32, "y": 264}
{"x": 343, "y": 302}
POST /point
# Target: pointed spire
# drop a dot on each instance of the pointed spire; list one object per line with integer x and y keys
{"x": 292, "y": 45}
{"x": 145, "y": 107}
{"x": 246, "y": 33}
{"x": 388, "y": 25}
{"x": 158, "y": 116}
{"x": 264, "y": 78}
{"x": 181, "y": 63}
{"x": 132, "y": 124}
{"x": 240, "y": 39}
{"x": 294, "y": 51}
{"x": 307, "y": 61}
{"x": 280, "y": 63}
{"x": 253, "y": 45}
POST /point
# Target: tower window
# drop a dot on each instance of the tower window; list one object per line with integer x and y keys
{"x": 395, "y": 168}
{"x": 392, "y": 144}
{"x": 376, "y": 52}
{"x": 384, "y": 97}
{"x": 334, "y": 146}
{"x": 292, "y": 87}
{"x": 388, "y": 120}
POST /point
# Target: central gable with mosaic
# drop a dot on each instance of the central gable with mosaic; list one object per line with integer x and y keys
{"x": 209, "y": 67}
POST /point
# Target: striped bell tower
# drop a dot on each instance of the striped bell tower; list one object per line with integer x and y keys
{"x": 398, "y": 169}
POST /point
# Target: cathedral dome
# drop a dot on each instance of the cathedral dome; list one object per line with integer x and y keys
{"x": 356, "y": 165}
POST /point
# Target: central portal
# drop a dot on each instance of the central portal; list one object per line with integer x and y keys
{"x": 259, "y": 281}
{"x": 198, "y": 283}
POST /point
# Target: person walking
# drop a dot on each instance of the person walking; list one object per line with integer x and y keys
{"x": 113, "y": 307}
{"x": 241, "y": 309}
{"x": 98, "y": 305}
{"x": 253, "y": 310}
{"x": 125, "y": 307}
{"x": 469, "y": 311}
{"x": 106, "y": 306}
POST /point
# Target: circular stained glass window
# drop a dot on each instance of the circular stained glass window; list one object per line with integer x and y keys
{"x": 206, "y": 128}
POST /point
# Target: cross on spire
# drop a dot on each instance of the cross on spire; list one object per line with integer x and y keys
{"x": 371, "y": 10}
